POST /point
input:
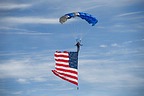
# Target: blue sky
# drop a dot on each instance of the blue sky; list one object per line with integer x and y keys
{"x": 111, "y": 60}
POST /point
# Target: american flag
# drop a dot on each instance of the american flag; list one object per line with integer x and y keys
{"x": 66, "y": 66}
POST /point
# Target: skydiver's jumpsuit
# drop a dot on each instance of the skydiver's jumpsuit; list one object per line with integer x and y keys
{"x": 78, "y": 46}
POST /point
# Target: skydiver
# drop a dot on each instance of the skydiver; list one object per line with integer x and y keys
{"x": 78, "y": 44}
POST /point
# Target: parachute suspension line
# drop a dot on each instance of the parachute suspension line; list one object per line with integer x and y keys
{"x": 77, "y": 30}
{"x": 81, "y": 30}
{"x": 86, "y": 33}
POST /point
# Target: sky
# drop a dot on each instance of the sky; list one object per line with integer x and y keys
{"x": 111, "y": 60}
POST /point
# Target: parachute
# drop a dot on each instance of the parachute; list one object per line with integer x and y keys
{"x": 89, "y": 18}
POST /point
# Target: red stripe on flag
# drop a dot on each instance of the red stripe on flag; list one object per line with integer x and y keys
{"x": 61, "y": 60}
{"x": 67, "y": 75}
{"x": 65, "y": 70}
{"x": 63, "y": 65}
{"x": 57, "y": 74}
{"x": 56, "y": 55}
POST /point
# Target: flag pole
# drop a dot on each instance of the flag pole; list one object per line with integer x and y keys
{"x": 77, "y": 88}
{"x": 78, "y": 44}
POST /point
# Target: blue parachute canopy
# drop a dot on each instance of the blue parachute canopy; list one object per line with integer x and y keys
{"x": 89, "y": 18}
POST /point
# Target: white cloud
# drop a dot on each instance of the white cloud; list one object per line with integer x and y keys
{"x": 70, "y": 6}
{"x": 103, "y": 46}
{"x": 115, "y": 45}
{"x": 22, "y": 81}
{"x": 29, "y": 20}
{"x": 63, "y": 88}
{"x": 128, "y": 42}
{"x": 109, "y": 71}
{"x": 134, "y": 41}
{"x": 39, "y": 79}
{"x": 11, "y": 6}
{"x": 130, "y": 13}
{"x": 27, "y": 33}
{"x": 123, "y": 51}
{"x": 17, "y": 93}
{"x": 112, "y": 3}
{"x": 21, "y": 31}
{"x": 25, "y": 71}
{"x": 34, "y": 79}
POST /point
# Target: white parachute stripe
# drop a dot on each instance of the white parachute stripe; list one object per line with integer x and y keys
{"x": 66, "y": 68}
{"x": 67, "y": 73}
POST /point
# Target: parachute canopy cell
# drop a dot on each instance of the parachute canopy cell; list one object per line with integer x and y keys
{"x": 89, "y": 18}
